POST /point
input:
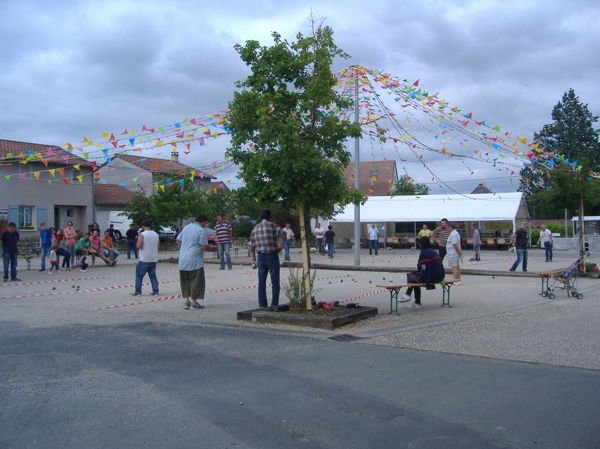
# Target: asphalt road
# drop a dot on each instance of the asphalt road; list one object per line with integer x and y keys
{"x": 181, "y": 385}
{"x": 84, "y": 365}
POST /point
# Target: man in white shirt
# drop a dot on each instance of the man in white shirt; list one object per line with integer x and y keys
{"x": 454, "y": 251}
{"x": 320, "y": 233}
{"x": 147, "y": 244}
{"x": 192, "y": 241}
{"x": 546, "y": 240}
{"x": 373, "y": 239}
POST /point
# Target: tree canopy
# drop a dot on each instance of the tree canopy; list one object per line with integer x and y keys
{"x": 286, "y": 134}
{"x": 565, "y": 178}
{"x": 170, "y": 205}
{"x": 407, "y": 186}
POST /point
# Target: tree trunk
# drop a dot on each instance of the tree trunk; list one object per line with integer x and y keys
{"x": 305, "y": 258}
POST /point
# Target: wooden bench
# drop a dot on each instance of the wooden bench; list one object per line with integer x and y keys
{"x": 29, "y": 250}
{"x": 396, "y": 289}
{"x": 546, "y": 276}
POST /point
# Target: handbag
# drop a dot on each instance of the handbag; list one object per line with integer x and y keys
{"x": 414, "y": 277}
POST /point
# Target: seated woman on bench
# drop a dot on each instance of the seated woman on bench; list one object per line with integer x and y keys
{"x": 431, "y": 268}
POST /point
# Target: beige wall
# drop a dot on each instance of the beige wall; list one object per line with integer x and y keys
{"x": 40, "y": 194}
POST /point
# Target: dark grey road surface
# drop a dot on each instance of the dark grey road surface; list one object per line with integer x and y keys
{"x": 172, "y": 385}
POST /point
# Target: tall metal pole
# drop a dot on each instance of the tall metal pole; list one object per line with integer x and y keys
{"x": 356, "y": 174}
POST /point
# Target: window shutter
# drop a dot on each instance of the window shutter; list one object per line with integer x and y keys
{"x": 41, "y": 215}
{"x": 13, "y": 215}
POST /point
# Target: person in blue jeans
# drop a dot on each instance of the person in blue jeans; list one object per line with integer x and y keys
{"x": 147, "y": 243}
{"x": 289, "y": 239}
{"x": 45, "y": 244}
{"x": 264, "y": 240}
{"x": 131, "y": 241}
{"x": 520, "y": 240}
{"x": 373, "y": 239}
{"x": 10, "y": 249}
{"x": 330, "y": 241}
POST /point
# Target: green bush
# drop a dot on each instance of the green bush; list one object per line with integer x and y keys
{"x": 555, "y": 227}
{"x": 535, "y": 236}
{"x": 242, "y": 228}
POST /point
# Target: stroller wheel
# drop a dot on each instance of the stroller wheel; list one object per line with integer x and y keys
{"x": 579, "y": 296}
{"x": 551, "y": 296}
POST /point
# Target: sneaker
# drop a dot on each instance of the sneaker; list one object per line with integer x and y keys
{"x": 197, "y": 306}
{"x": 414, "y": 305}
{"x": 155, "y": 293}
{"x": 405, "y": 298}
{"x": 16, "y": 280}
{"x": 135, "y": 294}
{"x": 41, "y": 270}
{"x": 83, "y": 270}
{"x": 50, "y": 272}
{"x": 5, "y": 279}
{"x": 187, "y": 305}
{"x": 114, "y": 262}
{"x": 457, "y": 282}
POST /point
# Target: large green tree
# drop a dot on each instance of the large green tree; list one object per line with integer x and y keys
{"x": 171, "y": 204}
{"x": 573, "y": 142}
{"x": 286, "y": 136}
{"x": 407, "y": 186}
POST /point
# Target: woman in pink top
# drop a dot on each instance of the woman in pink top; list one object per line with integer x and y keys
{"x": 70, "y": 240}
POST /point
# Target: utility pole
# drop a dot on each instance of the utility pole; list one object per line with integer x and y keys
{"x": 356, "y": 173}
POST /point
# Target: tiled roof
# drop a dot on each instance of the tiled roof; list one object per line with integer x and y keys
{"x": 53, "y": 154}
{"x": 481, "y": 188}
{"x": 218, "y": 185}
{"x": 156, "y": 165}
{"x": 112, "y": 194}
{"x": 384, "y": 171}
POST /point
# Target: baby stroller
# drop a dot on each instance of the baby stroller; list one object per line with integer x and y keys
{"x": 566, "y": 280}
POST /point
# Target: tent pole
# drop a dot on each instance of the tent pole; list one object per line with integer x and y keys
{"x": 415, "y": 231}
{"x": 385, "y": 235}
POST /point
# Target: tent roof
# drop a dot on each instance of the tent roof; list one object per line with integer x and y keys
{"x": 475, "y": 207}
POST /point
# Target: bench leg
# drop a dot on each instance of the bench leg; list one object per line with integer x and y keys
{"x": 394, "y": 297}
{"x": 446, "y": 295}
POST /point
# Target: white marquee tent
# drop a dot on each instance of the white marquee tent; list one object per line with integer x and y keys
{"x": 425, "y": 208}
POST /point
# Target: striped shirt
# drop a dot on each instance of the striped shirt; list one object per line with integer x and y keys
{"x": 264, "y": 237}
{"x": 223, "y": 232}
{"x": 441, "y": 234}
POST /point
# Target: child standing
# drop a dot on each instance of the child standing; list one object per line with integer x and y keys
{"x": 53, "y": 260}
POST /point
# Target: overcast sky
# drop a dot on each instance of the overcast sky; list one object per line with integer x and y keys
{"x": 77, "y": 68}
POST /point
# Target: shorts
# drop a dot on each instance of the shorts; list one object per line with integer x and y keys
{"x": 477, "y": 248}
{"x": 453, "y": 261}
{"x": 192, "y": 283}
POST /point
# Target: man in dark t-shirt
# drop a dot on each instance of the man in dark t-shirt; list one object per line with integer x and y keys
{"x": 329, "y": 240}
{"x": 131, "y": 243}
{"x": 10, "y": 249}
{"x": 520, "y": 240}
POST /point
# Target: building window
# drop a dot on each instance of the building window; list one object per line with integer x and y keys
{"x": 25, "y": 217}
{"x": 70, "y": 213}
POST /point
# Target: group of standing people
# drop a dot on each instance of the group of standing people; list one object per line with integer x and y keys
{"x": 325, "y": 238}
